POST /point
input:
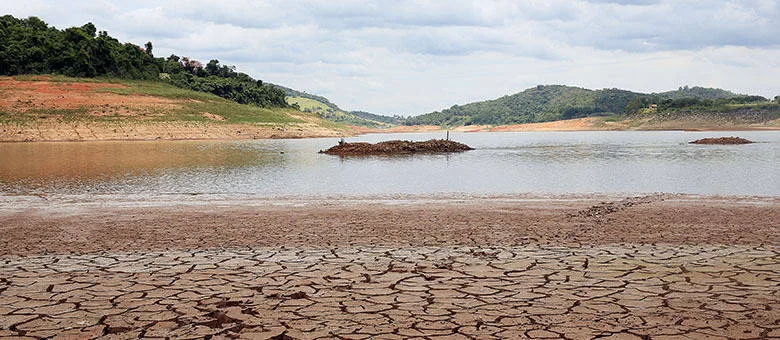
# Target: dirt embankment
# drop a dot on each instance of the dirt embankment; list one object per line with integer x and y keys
{"x": 99, "y": 131}
{"x": 580, "y": 124}
{"x": 40, "y": 109}
{"x": 394, "y": 147}
{"x": 591, "y": 124}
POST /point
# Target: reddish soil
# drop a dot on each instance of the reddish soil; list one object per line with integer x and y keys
{"x": 722, "y": 141}
{"x": 33, "y": 107}
{"x": 396, "y": 147}
{"x": 23, "y": 96}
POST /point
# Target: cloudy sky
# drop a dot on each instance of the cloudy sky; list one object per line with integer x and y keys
{"x": 412, "y": 57}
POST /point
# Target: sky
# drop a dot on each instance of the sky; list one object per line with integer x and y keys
{"x": 412, "y": 57}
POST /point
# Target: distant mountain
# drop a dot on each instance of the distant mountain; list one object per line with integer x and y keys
{"x": 326, "y": 109}
{"x": 545, "y": 103}
{"x": 395, "y": 120}
{"x": 536, "y": 104}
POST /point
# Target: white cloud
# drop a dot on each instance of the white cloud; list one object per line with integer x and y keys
{"x": 411, "y": 57}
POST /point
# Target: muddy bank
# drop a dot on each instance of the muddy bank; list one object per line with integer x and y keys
{"x": 394, "y": 147}
{"x": 634, "y": 292}
{"x": 722, "y": 141}
{"x": 65, "y": 225}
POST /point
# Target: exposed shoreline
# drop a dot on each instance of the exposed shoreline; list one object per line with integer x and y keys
{"x": 149, "y": 131}
{"x": 511, "y": 266}
{"x": 41, "y": 225}
{"x": 584, "y": 124}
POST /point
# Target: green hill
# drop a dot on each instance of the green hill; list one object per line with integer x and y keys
{"x": 327, "y": 110}
{"x": 545, "y": 103}
{"x": 537, "y": 104}
{"x": 31, "y": 46}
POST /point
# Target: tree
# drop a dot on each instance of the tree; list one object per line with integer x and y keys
{"x": 90, "y": 29}
{"x": 148, "y": 48}
{"x": 31, "y": 46}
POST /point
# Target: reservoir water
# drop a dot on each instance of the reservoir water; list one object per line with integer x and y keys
{"x": 630, "y": 162}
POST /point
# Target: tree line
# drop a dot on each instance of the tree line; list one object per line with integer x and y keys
{"x": 555, "y": 102}
{"x": 31, "y": 46}
{"x": 663, "y": 104}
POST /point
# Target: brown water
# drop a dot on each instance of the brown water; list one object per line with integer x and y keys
{"x": 87, "y": 161}
{"x": 503, "y": 163}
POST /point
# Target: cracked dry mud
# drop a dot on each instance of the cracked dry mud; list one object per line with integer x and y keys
{"x": 361, "y": 292}
{"x": 401, "y": 289}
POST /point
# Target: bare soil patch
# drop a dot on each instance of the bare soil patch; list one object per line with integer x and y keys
{"x": 25, "y": 96}
{"x": 44, "y": 110}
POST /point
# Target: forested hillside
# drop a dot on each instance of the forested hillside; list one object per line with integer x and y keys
{"x": 537, "y": 104}
{"x": 30, "y": 46}
{"x": 395, "y": 120}
{"x": 557, "y": 102}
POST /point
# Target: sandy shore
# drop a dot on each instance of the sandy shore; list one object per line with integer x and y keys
{"x": 576, "y": 267}
{"x": 34, "y": 225}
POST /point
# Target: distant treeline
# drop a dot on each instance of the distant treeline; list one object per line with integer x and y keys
{"x": 555, "y": 102}
{"x": 30, "y": 46}
{"x": 662, "y": 103}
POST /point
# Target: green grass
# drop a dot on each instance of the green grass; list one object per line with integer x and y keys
{"x": 189, "y": 106}
{"x": 328, "y": 113}
{"x": 308, "y": 104}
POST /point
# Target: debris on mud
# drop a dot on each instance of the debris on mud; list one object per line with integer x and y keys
{"x": 396, "y": 147}
{"x": 605, "y": 208}
{"x": 722, "y": 141}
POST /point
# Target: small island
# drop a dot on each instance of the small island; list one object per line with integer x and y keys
{"x": 394, "y": 147}
{"x": 722, "y": 141}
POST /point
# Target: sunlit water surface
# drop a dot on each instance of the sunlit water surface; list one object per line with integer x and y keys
{"x": 503, "y": 163}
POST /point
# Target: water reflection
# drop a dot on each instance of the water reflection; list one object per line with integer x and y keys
{"x": 546, "y": 162}
{"x": 120, "y": 165}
